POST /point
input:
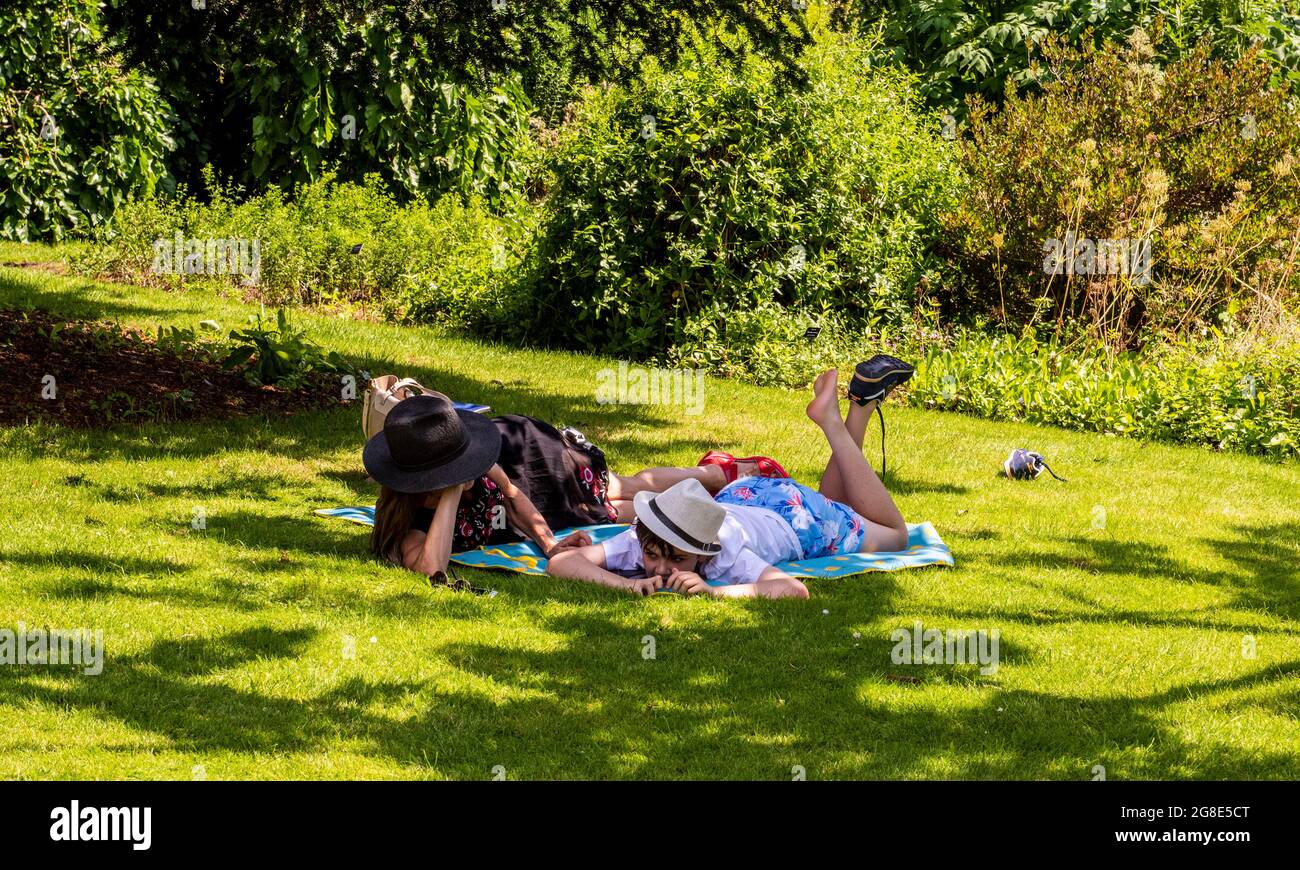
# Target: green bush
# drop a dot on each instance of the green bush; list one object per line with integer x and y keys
{"x": 282, "y": 354}
{"x": 79, "y": 133}
{"x": 1228, "y": 394}
{"x": 713, "y": 188}
{"x": 415, "y": 262}
{"x": 1198, "y": 159}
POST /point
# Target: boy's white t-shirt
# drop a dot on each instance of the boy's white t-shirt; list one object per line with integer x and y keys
{"x": 752, "y": 538}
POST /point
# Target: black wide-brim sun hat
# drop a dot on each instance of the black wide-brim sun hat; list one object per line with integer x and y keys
{"x": 427, "y": 444}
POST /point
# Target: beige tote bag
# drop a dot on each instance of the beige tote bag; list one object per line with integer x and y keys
{"x": 382, "y": 395}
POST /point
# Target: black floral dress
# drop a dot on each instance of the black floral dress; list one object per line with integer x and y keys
{"x": 562, "y": 474}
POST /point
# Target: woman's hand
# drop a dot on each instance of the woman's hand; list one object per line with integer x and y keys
{"x": 577, "y": 539}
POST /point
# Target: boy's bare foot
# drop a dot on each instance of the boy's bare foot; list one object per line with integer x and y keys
{"x": 824, "y": 409}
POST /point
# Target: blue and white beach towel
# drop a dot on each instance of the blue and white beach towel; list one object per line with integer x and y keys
{"x": 924, "y": 547}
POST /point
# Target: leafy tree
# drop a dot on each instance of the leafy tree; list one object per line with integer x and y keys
{"x": 979, "y": 47}
{"x": 79, "y": 132}
{"x": 438, "y": 94}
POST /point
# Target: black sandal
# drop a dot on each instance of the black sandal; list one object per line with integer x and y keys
{"x": 877, "y": 377}
{"x": 873, "y": 380}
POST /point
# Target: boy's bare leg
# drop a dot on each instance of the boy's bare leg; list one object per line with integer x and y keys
{"x": 862, "y": 490}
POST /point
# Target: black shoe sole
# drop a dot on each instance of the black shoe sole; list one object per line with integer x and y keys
{"x": 881, "y": 385}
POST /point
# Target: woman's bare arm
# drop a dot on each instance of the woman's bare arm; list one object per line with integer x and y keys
{"x": 429, "y": 552}
{"x": 522, "y": 513}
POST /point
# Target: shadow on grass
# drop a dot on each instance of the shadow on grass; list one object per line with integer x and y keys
{"x": 65, "y": 559}
{"x": 305, "y": 534}
{"x": 258, "y": 595}
{"x": 225, "y": 595}
{"x": 237, "y": 484}
{"x": 25, "y": 289}
{"x": 1266, "y": 557}
{"x": 687, "y": 714}
{"x": 299, "y": 436}
{"x": 164, "y": 690}
{"x": 593, "y": 706}
{"x": 1018, "y": 732}
{"x": 1270, "y": 556}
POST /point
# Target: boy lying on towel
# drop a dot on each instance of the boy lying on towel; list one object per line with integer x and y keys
{"x": 682, "y": 536}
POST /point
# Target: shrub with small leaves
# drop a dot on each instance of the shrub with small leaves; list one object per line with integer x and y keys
{"x": 704, "y": 191}
{"x": 1198, "y": 160}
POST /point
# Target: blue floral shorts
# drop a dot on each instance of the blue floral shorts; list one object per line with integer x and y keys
{"x": 823, "y": 527}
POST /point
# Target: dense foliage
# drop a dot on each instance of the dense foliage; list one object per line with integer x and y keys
{"x": 79, "y": 133}
{"x": 1198, "y": 157}
{"x": 709, "y": 191}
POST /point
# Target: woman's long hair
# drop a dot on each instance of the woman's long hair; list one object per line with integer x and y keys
{"x": 393, "y": 513}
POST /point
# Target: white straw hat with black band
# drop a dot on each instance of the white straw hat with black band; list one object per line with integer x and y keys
{"x": 684, "y": 515}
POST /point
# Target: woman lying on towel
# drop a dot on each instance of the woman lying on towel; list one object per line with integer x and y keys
{"x": 455, "y": 480}
{"x": 683, "y": 536}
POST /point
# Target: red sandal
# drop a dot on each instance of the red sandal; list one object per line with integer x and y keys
{"x": 767, "y": 467}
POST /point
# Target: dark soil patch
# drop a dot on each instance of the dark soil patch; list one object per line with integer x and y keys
{"x": 54, "y": 267}
{"x": 106, "y": 374}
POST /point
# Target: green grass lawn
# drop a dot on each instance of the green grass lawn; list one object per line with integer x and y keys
{"x": 1121, "y": 646}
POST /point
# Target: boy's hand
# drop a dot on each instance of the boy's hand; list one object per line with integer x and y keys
{"x": 688, "y": 583}
{"x": 642, "y": 586}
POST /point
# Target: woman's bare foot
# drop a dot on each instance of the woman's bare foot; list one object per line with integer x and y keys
{"x": 824, "y": 409}
{"x": 714, "y": 478}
